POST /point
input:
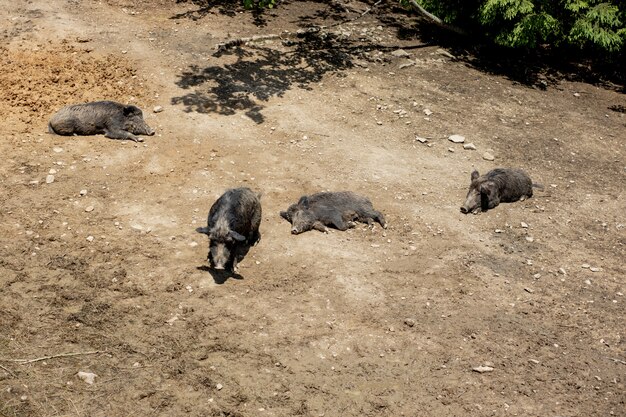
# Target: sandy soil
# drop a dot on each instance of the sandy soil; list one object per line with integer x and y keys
{"x": 367, "y": 322}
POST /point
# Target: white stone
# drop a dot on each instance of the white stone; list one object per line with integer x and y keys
{"x": 488, "y": 157}
{"x": 88, "y": 377}
{"x": 456, "y": 138}
{"x": 469, "y": 146}
{"x": 50, "y": 179}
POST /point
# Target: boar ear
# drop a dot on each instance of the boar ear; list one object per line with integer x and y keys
{"x": 304, "y": 201}
{"x": 203, "y": 230}
{"x": 474, "y": 175}
{"x": 130, "y": 110}
{"x": 285, "y": 215}
{"x": 236, "y": 236}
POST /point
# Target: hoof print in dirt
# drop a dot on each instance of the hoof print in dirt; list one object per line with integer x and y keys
{"x": 114, "y": 120}
{"x": 339, "y": 210}
{"x": 500, "y": 185}
{"x": 232, "y": 227}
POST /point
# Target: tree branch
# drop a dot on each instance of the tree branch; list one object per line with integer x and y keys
{"x": 60, "y": 355}
{"x": 434, "y": 19}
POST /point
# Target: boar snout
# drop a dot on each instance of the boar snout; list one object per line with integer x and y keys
{"x": 464, "y": 210}
{"x": 294, "y": 231}
{"x": 150, "y": 132}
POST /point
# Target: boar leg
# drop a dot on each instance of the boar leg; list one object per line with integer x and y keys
{"x": 320, "y": 226}
{"x": 340, "y": 223}
{"x": 256, "y": 238}
{"x": 121, "y": 134}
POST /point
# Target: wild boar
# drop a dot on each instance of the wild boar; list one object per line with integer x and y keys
{"x": 232, "y": 227}
{"x": 115, "y": 120}
{"x": 498, "y": 185}
{"x": 337, "y": 209}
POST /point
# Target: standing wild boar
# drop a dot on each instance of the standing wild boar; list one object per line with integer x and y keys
{"x": 337, "y": 209}
{"x": 498, "y": 185}
{"x": 115, "y": 120}
{"x": 233, "y": 227}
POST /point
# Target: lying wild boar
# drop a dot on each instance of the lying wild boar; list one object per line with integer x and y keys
{"x": 233, "y": 227}
{"x": 337, "y": 209}
{"x": 115, "y": 120}
{"x": 498, "y": 185}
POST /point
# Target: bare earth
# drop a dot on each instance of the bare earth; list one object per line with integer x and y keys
{"x": 367, "y": 322}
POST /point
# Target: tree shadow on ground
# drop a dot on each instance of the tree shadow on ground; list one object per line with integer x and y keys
{"x": 261, "y": 73}
{"x": 537, "y": 68}
{"x": 225, "y": 7}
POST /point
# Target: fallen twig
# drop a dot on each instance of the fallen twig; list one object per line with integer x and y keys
{"x": 60, "y": 355}
{"x": 8, "y": 371}
{"x": 618, "y": 361}
{"x": 260, "y": 38}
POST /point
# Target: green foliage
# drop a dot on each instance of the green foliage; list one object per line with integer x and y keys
{"x": 590, "y": 24}
{"x": 259, "y": 4}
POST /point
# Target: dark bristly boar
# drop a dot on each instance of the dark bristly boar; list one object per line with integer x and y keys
{"x": 500, "y": 185}
{"x": 114, "y": 120}
{"x": 232, "y": 227}
{"x": 337, "y": 209}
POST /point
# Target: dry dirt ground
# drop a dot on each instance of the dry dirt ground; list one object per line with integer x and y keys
{"x": 367, "y": 322}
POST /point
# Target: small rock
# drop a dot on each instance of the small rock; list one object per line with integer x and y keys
{"x": 530, "y": 238}
{"x": 50, "y": 179}
{"x": 469, "y": 146}
{"x": 576, "y": 94}
{"x": 443, "y": 52}
{"x": 535, "y": 361}
{"x": 529, "y": 290}
{"x": 427, "y": 112}
{"x": 594, "y": 269}
{"x": 488, "y": 157}
{"x": 409, "y": 322}
{"x": 585, "y": 266}
{"x": 408, "y": 63}
{"x": 57, "y": 149}
{"x": 89, "y": 209}
{"x": 482, "y": 369}
{"x": 83, "y": 192}
{"x": 524, "y": 225}
{"x": 90, "y": 238}
{"x": 562, "y": 271}
{"x": 400, "y": 53}
{"x": 456, "y": 138}
{"x": 421, "y": 139}
{"x": 451, "y": 150}
{"x": 498, "y": 231}
{"x": 588, "y": 281}
{"x": 219, "y": 386}
{"x": 537, "y": 276}
{"x": 136, "y": 227}
{"x": 157, "y": 109}
{"x": 88, "y": 377}
{"x": 193, "y": 244}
